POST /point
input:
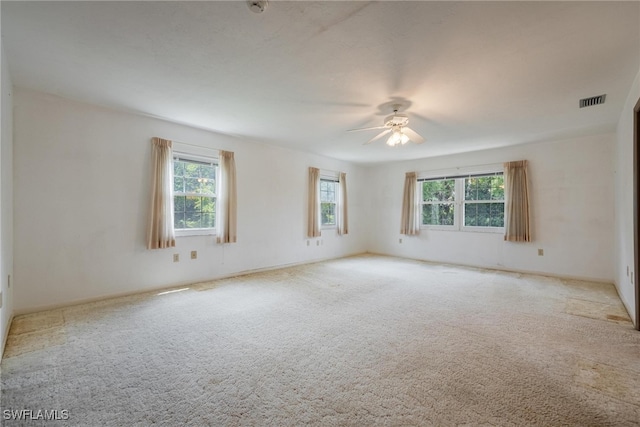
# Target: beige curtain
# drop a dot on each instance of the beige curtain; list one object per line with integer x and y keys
{"x": 343, "y": 216}
{"x": 410, "y": 223}
{"x": 226, "y": 209}
{"x": 313, "y": 205}
{"x": 160, "y": 232}
{"x": 516, "y": 227}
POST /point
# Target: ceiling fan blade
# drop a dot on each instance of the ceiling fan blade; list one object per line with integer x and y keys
{"x": 376, "y": 127}
{"x": 378, "y": 136}
{"x": 413, "y": 135}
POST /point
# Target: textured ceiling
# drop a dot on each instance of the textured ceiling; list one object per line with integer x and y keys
{"x": 471, "y": 75}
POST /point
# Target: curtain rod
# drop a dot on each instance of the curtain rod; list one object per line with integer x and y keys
{"x": 468, "y": 175}
{"x": 194, "y": 145}
{"x": 329, "y": 170}
{"x": 461, "y": 167}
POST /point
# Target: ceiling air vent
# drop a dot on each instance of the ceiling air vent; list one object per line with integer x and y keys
{"x": 594, "y": 100}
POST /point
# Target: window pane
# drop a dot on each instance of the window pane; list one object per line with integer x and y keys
{"x": 208, "y": 172}
{"x": 192, "y": 219}
{"x": 327, "y": 191}
{"x": 427, "y": 215}
{"x": 484, "y": 188}
{"x": 178, "y": 203}
{"x": 446, "y": 214}
{"x": 178, "y": 168}
{"x": 207, "y": 205}
{"x": 178, "y": 184}
{"x": 192, "y": 204}
{"x": 206, "y": 186}
{"x": 470, "y": 214}
{"x": 328, "y": 213}
{"x": 208, "y": 220}
{"x": 484, "y": 214}
{"x": 441, "y": 190}
{"x": 437, "y": 214}
{"x": 470, "y": 188}
{"x": 191, "y": 170}
{"x": 497, "y": 188}
{"x": 191, "y": 185}
{"x": 178, "y": 220}
{"x": 497, "y": 215}
{"x": 194, "y": 211}
{"x": 427, "y": 191}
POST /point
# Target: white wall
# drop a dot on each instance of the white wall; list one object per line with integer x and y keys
{"x": 624, "y": 201}
{"x": 82, "y": 178}
{"x": 571, "y": 184}
{"x": 6, "y": 198}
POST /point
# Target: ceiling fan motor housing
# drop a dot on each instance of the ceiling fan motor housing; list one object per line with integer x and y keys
{"x": 397, "y": 119}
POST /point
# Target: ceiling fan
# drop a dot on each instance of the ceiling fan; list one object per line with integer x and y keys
{"x": 396, "y": 126}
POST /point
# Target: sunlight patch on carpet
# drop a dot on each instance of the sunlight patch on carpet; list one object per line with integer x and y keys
{"x": 596, "y": 310}
{"x": 610, "y": 380}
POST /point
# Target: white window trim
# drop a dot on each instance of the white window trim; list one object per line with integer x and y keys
{"x": 188, "y": 154}
{"x": 456, "y": 209}
{"x": 458, "y": 223}
{"x": 332, "y": 178}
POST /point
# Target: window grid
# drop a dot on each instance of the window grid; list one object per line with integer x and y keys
{"x": 484, "y": 201}
{"x": 328, "y": 203}
{"x": 438, "y": 198}
{"x": 470, "y": 202}
{"x": 194, "y": 189}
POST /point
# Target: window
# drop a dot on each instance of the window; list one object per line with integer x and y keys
{"x": 484, "y": 201}
{"x": 328, "y": 202}
{"x": 468, "y": 202}
{"x": 438, "y": 199}
{"x": 194, "y": 193}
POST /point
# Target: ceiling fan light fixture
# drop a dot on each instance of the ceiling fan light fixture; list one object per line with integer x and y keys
{"x": 395, "y": 129}
{"x": 397, "y": 137}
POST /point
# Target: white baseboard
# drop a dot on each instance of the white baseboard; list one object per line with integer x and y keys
{"x": 175, "y": 285}
{"x": 5, "y": 337}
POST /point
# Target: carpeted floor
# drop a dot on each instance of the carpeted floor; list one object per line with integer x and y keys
{"x": 360, "y": 341}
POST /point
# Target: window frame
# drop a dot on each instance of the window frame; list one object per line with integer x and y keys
{"x": 455, "y": 225}
{"x": 464, "y": 202}
{"x": 336, "y": 202}
{"x": 459, "y": 199}
{"x": 185, "y": 155}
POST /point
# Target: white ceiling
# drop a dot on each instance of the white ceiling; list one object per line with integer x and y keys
{"x": 471, "y": 75}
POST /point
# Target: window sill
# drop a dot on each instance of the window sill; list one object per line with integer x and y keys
{"x": 195, "y": 232}
{"x": 494, "y": 230}
{"x": 491, "y": 230}
{"x": 439, "y": 227}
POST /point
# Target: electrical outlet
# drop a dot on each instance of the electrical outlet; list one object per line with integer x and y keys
{"x": 176, "y": 257}
{"x": 9, "y": 282}
{"x": 400, "y": 240}
{"x": 540, "y": 252}
{"x": 194, "y": 254}
{"x": 308, "y": 242}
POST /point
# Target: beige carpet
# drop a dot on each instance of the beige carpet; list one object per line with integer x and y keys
{"x": 361, "y": 341}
